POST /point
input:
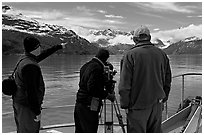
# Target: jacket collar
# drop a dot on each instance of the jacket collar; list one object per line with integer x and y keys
{"x": 144, "y": 43}
{"x": 30, "y": 55}
{"x": 97, "y": 59}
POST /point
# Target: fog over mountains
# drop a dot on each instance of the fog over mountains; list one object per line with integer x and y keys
{"x": 16, "y": 26}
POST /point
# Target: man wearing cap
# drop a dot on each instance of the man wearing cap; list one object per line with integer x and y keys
{"x": 29, "y": 96}
{"x": 145, "y": 82}
{"x": 90, "y": 94}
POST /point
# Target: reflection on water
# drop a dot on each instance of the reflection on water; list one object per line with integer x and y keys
{"x": 60, "y": 73}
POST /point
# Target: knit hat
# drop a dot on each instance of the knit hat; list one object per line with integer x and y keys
{"x": 102, "y": 54}
{"x": 31, "y": 43}
{"x": 142, "y": 30}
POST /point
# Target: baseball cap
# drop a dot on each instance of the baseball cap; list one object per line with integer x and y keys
{"x": 141, "y": 30}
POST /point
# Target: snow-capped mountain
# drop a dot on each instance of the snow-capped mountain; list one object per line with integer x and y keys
{"x": 12, "y": 20}
{"x": 109, "y": 32}
{"x": 107, "y": 37}
{"x": 191, "y": 39}
{"x": 15, "y": 27}
{"x": 191, "y": 45}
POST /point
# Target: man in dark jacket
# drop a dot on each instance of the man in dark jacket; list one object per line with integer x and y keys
{"x": 28, "y": 99}
{"x": 145, "y": 81}
{"x": 90, "y": 94}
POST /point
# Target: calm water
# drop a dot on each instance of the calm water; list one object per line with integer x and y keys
{"x": 61, "y": 78}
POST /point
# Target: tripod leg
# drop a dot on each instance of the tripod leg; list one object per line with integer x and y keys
{"x": 119, "y": 116}
{"x": 100, "y": 114}
{"x": 104, "y": 115}
{"x": 108, "y": 125}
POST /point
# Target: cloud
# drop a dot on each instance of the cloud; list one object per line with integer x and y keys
{"x": 84, "y": 10}
{"x": 45, "y": 15}
{"x": 198, "y": 16}
{"x": 166, "y": 6}
{"x": 83, "y": 21}
{"x": 93, "y": 38}
{"x": 89, "y": 22}
{"x": 156, "y": 29}
{"x": 113, "y": 16}
{"x": 176, "y": 35}
{"x": 121, "y": 39}
{"x": 113, "y": 22}
{"x": 149, "y": 14}
{"x": 102, "y": 11}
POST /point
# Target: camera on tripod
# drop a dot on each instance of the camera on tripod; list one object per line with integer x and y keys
{"x": 109, "y": 73}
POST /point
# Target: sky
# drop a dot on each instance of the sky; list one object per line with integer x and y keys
{"x": 168, "y": 21}
{"x": 126, "y": 16}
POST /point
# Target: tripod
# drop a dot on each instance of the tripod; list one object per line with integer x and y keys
{"x": 108, "y": 125}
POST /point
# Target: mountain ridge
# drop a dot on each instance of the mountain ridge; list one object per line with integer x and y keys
{"x": 16, "y": 26}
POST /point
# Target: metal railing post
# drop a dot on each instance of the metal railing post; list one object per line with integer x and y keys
{"x": 182, "y": 91}
{"x": 166, "y": 110}
{"x": 104, "y": 115}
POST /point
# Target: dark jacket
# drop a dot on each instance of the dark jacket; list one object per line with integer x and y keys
{"x": 29, "y": 80}
{"x": 91, "y": 82}
{"x": 145, "y": 77}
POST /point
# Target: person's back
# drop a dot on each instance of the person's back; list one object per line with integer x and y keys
{"x": 149, "y": 66}
{"x": 85, "y": 91}
{"x": 90, "y": 94}
{"x": 145, "y": 81}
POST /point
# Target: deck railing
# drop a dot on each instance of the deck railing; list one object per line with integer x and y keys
{"x": 166, "y": 108}
{"x": 182, "y": 87}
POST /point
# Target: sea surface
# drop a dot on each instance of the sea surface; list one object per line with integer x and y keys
{"x": 61, "y": 76}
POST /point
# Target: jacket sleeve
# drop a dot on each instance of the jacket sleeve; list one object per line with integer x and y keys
{"x": 31, "y": 75}
{"x": 125, "y": 82}
{"x": 168, "y": 79}
{"x": 95, "y": 84}
{"x": 45, "y": 53}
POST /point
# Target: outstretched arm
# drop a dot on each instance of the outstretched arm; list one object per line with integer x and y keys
{"x": 45, "y": 53}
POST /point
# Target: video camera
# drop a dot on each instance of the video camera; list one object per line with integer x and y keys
{"x": 109, "y": 73}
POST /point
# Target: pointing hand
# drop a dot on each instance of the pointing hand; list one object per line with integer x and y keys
{"x": 64, "y": 45}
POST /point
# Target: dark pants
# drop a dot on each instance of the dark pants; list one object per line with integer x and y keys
{"x": 24, "y": 119}
{"x": 86, "y": 121}
{"x": 145, "y": 120}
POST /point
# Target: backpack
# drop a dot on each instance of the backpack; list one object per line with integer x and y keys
{"x": 9, "y": 86}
